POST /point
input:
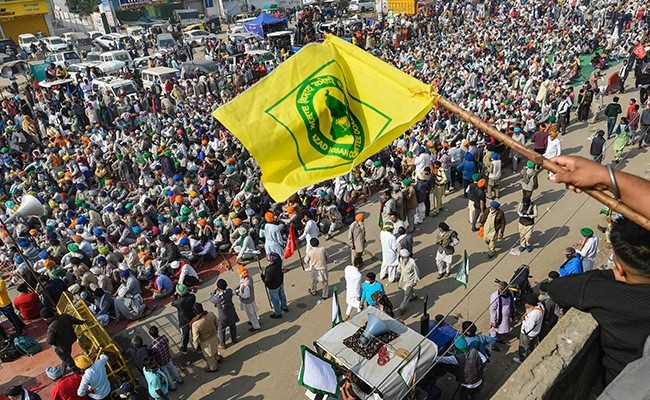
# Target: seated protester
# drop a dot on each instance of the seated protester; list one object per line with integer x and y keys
{"x": 131, "y": 307}
{"x": 617, "y": 299}
{"x": 354, "y": 388}
{"x": 221, "y": 236}
{"x": 27, "y": 303}
{"x": 146, "y": 271}
{"x": 481, "y": 343}
{"x": 572, "y": 264}
{"x": 104, "y": 304}
{"x": 243, "y": 245}
{"x": 186, "y": 274}
{"x": 161, "y": 285}
{"x": 205, "y": 250}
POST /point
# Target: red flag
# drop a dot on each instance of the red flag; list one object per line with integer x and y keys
{"x": 639, "y": 51}
{"x": 292, "y": 243}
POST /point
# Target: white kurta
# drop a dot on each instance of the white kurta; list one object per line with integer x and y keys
{"x": 353, "y": 281}
{"x": 588, "y": 253}
{"x": 389, "y": 255}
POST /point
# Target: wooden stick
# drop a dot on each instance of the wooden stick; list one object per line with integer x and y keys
{"x": 613, "y": 204}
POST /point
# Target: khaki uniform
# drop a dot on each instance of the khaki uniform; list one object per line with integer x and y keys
{"x": 204, "y": 333}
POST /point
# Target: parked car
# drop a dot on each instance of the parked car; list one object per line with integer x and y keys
{"x": 64, "y": 58}
{"x": 116, "y": 55}
{"x": 361, "y": 6}
{"x": 78, "y": 41}
{"x": 116, "y": 86}
{"x": 109, "y": 41}
{"x": 25, "y": 41}
{"x": 21, "y": 71}
{"x": 203, "y": 67}
{"x": 94, "y": 34}
{"x": 261, "y": 55}
{"x": 160, "y": 74}
{"x": 166, "y": 42}
{"x": 77, "y": 69}
{"x": 92, "y": 56}
{"x": 141, "y": 63}
{"x": 54, "y": 44}
{"x": 198, "y": 37}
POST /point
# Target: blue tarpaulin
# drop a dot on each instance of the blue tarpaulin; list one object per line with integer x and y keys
{"x": 265, "y": 23}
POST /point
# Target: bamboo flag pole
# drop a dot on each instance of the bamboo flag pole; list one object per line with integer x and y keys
{"x": 613, "y": 204}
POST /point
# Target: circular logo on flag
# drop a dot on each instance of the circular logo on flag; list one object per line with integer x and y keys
{"x": 332, "y": 127}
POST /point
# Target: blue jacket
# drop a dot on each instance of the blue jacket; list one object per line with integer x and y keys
{"x": 368, "y": 289}
{"x": 571, "y": 266}
{"x": 467, "y": 168}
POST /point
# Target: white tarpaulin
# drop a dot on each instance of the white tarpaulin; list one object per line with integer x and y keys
{"x": 386, "y": 379}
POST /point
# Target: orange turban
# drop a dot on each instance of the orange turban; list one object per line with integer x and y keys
{"x": 242, "y": 271}
{"x": 481, "y": 183}
{"x": 291, "y": 209}
{"x": 269, "y": 217}
{"x": 359, "y": 217}
{"x": 48, "y": 263}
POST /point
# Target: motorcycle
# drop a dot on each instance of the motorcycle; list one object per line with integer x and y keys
{"x": 519, "y": 284}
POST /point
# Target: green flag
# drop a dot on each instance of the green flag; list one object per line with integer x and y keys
{"x": 462, "y": 275}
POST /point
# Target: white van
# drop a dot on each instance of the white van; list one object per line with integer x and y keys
{"x": 136, "y": 32}
{"x": 161, "y": 74}
{"x": 239, "y": 24}
{"x": 116, "y": 55}
{"x": 25, "y": 41}
{"x": 115, "y": 86}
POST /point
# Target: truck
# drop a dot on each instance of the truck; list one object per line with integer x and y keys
{"x": 187, "y": 17}
{"x": 403, "y": 7}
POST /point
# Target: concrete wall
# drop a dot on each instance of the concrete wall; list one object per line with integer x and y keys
{"x": 565, "y": 365}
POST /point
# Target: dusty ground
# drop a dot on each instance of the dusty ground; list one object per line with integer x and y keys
{"x": 264, "y": 365}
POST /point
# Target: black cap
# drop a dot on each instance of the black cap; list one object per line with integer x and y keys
{"x": 15, "y": 391}
{"x": 124, "y": 389}
{"x": 46, "y": 312}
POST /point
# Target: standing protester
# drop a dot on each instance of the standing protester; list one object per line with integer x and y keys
{"x": 529, "y": 182}
{"x": 357, "y": 237}
{"x": 310, "y": 231}
{"x": 502, "y": 307}
{"x": 246, "y": 294}
{"x": 273, "y": 278}
{"x": 527, "y": 212}
{"x": 8, "y": 311}
{"x": 370, "y": 286}
{"x": 494, "y": 226}
{"x": 157, "y": 381}
{"x": 616, "y": 298}
{"x": 316, "y": 259}
{"x": 531, "y": 326}
{"x": 205, "y": 337}
{"x": 445, "y": 240}
{"x": 61, "y": 336}
{"x": 469, "y": 364}
{"x": 551, "y": 310}
{"x": 183, "y": 303}
{"x": 597, "y": 147}
{"x": 389, "y": 253}
{"x": 94, "y": 382}
{"x": 353, "y": 281}
{"x": 644, "y": 120}
{"x": 588, "y": 249}
{"x": 612, "y": 111}
{"x": 226, "y": 313}
{"x": 572, "y": 263}
{"x": 410, "y": 203}
{"x": 404, "y": 240}
{"x": 439, "y": 183}
{"x": 494, "y": 176}
{"x": 163, "y": 355}
{"x": 409, "y": 277}
{"x": 272, "y": 234}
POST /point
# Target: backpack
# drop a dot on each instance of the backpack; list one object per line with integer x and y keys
{"x": 26, "y": 345}
{"x": 9, "y": 353}
{"x": 454, "y": 240}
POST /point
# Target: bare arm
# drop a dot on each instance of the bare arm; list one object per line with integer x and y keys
{"x": 584, "y": 174}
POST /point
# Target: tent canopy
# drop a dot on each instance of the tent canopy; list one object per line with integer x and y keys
{"x": 265, "y": 23}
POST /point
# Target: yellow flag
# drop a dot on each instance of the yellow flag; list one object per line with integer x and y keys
{"x": 323, "y": 111}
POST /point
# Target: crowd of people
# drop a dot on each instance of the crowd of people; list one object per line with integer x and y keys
{"x": 142, "y": 192}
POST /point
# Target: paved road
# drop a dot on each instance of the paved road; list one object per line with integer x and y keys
{"x": 264, "y": 365}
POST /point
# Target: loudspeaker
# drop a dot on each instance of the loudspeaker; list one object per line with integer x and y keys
{"x": 374, "y": 327}
{"x": 29, "y": 206}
